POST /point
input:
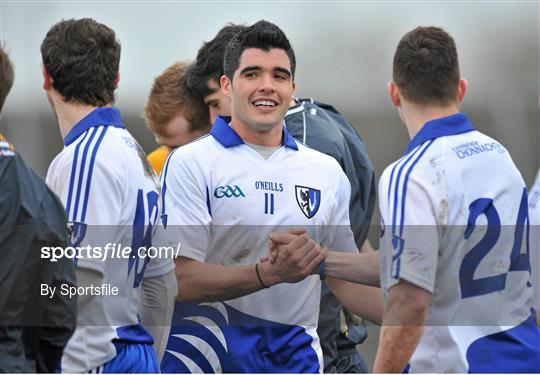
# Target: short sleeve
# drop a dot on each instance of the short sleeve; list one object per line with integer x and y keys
{"x": 340, "y": 236}
{"x": 534, "y": 219}
{"x": 411, "y": 237}
{"x": 186, "y": 214}
{"x": 92, "y": 193}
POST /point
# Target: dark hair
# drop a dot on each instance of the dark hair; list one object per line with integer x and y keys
{"x": 196, "y": 111}
{"x": 209, "y": 62}
{"x": 262, "y": 35}
{"x": 82, "y": 57}
{"x": 426, "y": 68}
{"x": 6, "y": 76}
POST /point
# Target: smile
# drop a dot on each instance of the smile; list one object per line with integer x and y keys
{"x": 269, "y": 103}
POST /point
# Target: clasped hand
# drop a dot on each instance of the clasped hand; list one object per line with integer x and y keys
{"x": 293, "y": 255}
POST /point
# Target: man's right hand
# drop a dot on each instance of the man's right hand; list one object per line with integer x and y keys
{"x": 296, "y": 257}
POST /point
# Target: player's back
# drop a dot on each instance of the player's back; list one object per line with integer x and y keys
{"x": 111, "y": 199}
{"x": 456, "y": 218}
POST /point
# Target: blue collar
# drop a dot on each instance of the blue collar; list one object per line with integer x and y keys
{"x": 229, "y": 138}
{"x": 449, "y": 125}
{"x": 104, "y": 116}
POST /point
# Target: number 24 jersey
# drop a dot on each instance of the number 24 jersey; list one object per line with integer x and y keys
{"x": 455, "y": 223}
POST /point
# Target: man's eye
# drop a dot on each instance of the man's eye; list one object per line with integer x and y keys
{"x": 281, "y": 77}
{"x": 251, "y": 74}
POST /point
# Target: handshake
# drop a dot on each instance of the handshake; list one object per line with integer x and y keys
{"x": 292, "y": 256}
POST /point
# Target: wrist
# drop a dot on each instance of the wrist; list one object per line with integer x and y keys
{"x": 265, "y": 275}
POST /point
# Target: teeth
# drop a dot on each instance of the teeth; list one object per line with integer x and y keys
{"x": 265, "y": 103}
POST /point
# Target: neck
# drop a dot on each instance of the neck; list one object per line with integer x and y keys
{"x": 69, "y": 114}
{"x": 415, "y": 116}
{"x": 270, "y": 137}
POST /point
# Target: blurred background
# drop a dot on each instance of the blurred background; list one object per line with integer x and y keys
{"x": 344, "y": 52}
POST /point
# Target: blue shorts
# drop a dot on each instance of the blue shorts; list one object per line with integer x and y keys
{"x": 130, "y": 358}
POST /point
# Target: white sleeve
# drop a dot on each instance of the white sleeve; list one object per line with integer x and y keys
{"x": 93, "y": 198}
{"x": 340, "y": 236}
{"x": 534, "y": 241}
{"x": 411, "y": 233}
{"x": 156, "y": 305}
{"x": 186, "y": 214}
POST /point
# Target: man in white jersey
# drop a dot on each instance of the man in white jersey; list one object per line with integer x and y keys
{"x": 110, "y": 194}
{"x": 222, "y": 195}
{"x": 534, "y": 217}
{"x": 455, "y": 269}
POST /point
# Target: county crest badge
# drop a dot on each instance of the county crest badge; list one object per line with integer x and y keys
{"x": 308, "y": 199}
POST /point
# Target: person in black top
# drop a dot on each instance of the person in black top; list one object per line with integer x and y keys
{"x": 34, "y": 329}
{"x": 321, "y": 127}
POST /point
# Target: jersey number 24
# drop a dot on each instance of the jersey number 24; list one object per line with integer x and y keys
{"x": 471, "y": 287}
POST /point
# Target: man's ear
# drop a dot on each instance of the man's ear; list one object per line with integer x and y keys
{"x": 462, "y": 89}
{"x": 226, "y": 86}
{"x": 47, "y": 80}
{"x": 393, "y": 93}
{"x": 117, "y": 80}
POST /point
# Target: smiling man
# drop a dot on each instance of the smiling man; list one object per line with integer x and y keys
{"x": 321, "y": 127}
{"x": 223, "y": 194}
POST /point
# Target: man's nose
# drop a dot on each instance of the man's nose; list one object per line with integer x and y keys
{"x": 267, "y": 83}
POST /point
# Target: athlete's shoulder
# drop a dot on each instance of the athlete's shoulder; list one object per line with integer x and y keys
{"x": 311, "y": 153}
{"x": 197, "y": 157}
{"x": 324, "y": 163}
{"x": 202, "y": 150}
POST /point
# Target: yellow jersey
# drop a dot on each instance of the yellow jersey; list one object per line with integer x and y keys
{"x": 157, "y": 158}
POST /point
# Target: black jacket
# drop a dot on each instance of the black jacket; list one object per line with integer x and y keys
{"x": 34, "y": 329}
{"x": 321, "y": 127}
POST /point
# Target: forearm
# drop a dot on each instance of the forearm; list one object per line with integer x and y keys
{"x": 360, "y": 268}
{"x": 205, "y": 282}
{"x": 403, "y": 326}
{"x": 156, "y": 305}
{"x": 396, "y": 346}
{"x": 361, "y": 300}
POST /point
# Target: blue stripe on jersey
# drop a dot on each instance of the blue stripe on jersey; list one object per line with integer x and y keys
{"x": 90, "y": 170}
{"x": 187, "y": 309}
{"x": 178, "y": 345}
{"x": 403, "y": 158}
{"x": 81, "y": 173}
{"x": 516, "y": 350}
{"x": 73, "y": 172}
{"x": 397, "y": 240}
{"x": 208, "y": 202}
{"x": 396, "y": 189}
{"x": 252, "y": 344}
{"x": 164, "y": 185}
{"x": 404, "y": 191}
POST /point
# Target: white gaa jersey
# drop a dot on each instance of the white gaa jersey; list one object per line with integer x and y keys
{"x": 534, "y": 217}
{"x": 221, "y": 199}
{"x": 454, "y": 222}
{"x": 111, "y": 200}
